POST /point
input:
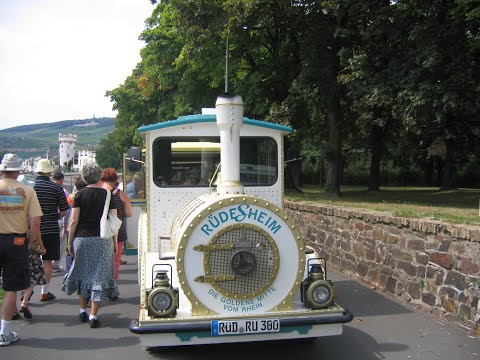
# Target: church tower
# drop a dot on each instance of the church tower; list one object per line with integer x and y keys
{"x": 66, "y": 149}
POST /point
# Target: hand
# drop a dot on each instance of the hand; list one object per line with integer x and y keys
{"x": 115, "y": 247}
{"x": 70, "y": 249}
{"x": 43, "y": 251}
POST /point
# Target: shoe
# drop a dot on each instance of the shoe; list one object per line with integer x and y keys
{"x": 57, "y": 268}
{"x": 94, "y": 323}
{"x": 26, "y": 312}
{"x": 16, "y": 316}
{"x": 47, "y": 297}
{"x": 113, "y": 298}
{"x": 8, "y": 339}
{"x": 83, "y": 317}
{"x": 123, "y": 262}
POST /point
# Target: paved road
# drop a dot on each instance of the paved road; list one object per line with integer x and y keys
{"x": 382, "y": 329}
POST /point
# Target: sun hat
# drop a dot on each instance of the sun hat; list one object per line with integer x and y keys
{"x": 44, "y": 166}
{"x": 11, "y": 162}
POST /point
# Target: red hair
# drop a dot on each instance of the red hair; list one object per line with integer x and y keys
{"x": 109, "y": 175}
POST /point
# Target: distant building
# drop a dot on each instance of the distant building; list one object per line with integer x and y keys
{"x": 66, "y": 149}
{"x": 85, "y": 157}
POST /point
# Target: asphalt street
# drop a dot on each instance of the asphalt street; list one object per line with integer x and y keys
{"x": 383, "y": 328}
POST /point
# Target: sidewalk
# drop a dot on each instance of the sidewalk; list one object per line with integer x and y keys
{"x": 55, "y": 332}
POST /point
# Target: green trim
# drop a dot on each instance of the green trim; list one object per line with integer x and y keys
{"x": 193, "y": 119}
{"x": 131, "y": 251}
{"x": 187, "y": 336}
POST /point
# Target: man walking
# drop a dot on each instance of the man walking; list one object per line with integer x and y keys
{"x": 59, "y": 178}
{"x": 54, "y": 206}
{"x": 18, "y": 205}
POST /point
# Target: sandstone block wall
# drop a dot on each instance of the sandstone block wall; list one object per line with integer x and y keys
{"x": 431, "y": 264}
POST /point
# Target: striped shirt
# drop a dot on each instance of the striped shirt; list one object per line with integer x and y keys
{"x": 52, "y": 200}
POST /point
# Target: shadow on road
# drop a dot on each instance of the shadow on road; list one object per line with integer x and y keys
{"x": 353, "y": 344}
{"x": 363, "y": 301}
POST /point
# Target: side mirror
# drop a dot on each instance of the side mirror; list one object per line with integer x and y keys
{"x": 133, "y": 160}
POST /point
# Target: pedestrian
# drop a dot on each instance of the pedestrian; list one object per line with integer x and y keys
{"x": 91, "y": 275}
{"x": 37, "y": 275}
{"x": 54, "y": 206}
{"x": 21, "y": 213}
{"x": 124, "y": 210}
{"x": 58, "y": 178}
{"x": 79, "y": 184}
{"x": 134, "y": 187}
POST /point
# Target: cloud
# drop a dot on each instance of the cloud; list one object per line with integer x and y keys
{"x": 60, "y": 56}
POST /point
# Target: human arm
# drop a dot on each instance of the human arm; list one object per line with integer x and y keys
{"x": 36, "y": 234}
{"x": 74, "y": 216}
{"x": 128, "y": 205}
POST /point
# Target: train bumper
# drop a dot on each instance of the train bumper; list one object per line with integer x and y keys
{"x": 188, "y": 332}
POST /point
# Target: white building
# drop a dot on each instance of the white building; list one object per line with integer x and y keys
{"x": 66, "y": 150}
{"x": 85, "y": 157}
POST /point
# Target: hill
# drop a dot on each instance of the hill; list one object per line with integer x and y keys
{"x": 33, "y": 140}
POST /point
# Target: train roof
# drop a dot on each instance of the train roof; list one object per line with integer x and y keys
{"x": 208, "y": 118}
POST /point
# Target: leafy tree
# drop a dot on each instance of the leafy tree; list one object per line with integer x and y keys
{"x": 106, "y": 155}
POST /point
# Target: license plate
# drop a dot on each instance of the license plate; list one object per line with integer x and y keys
{"x": 245, "y": 326}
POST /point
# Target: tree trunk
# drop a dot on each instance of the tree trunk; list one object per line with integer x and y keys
{"x": 376, "y": 152}
{"x": 334, "y": 114}
{"x": 449, "y": 168}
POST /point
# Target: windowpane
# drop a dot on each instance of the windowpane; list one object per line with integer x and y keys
{"x": 194, "y": 161}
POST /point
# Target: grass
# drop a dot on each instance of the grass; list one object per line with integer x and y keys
{"x": 458, "y": 206}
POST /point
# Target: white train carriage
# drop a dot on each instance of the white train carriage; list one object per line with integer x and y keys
{"x": 219, "y": 259}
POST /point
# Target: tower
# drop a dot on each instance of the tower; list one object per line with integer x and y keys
{"x": 66, "y": 149}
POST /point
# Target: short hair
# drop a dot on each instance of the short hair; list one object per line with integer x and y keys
{"x": 79, "y": 183}
{"x": 109, "y": 175}
{"x": 58, "y": 175}
{"x": 91, "y": 173}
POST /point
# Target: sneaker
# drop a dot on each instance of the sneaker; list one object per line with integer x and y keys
{"x": 8, "y": 339}
{"x": 83, "y": 317}
{"x": 123, "y": 262}
{"x": 47, "y": 297}
{"x": 57, "y": 268}
{"x": 16, "y": 316}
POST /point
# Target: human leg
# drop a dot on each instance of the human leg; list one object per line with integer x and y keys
{"x": 93, "y": 314}
{"x": 8, "y": 308}
{"x": 52, "y": 244}
{"x": 24, "y": 307}
{"x": 118, "y": 259}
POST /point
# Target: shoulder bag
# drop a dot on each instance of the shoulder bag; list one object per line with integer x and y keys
{"x": 109, "y": 223}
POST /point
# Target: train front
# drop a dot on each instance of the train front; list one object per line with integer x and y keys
{"x": 240, "y": 270}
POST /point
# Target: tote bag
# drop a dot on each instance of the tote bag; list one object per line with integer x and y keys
{"x": 110, "y": 223}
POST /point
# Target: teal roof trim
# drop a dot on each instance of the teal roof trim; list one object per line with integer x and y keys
{"x": 193, "y": 119}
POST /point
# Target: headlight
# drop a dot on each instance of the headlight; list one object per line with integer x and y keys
{"x": 162, "y": 302}
{"x": 320, "y": 294}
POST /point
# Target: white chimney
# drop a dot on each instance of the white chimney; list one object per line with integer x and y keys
{"x": 229, "y": 121}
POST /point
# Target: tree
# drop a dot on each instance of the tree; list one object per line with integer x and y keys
{"x": 106, "y": 155}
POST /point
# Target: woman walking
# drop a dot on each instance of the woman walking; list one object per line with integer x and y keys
{"x": 91, "y": 274}
{"x": 124, "y": 210}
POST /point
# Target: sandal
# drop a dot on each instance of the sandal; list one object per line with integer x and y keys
{"x": 26, "y": 312}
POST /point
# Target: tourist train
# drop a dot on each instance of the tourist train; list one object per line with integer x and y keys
{"x": 219, "y": 260}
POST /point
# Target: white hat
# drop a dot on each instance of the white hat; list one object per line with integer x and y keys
{"x": 11, "y": 162}
{"x": 44, "y": 166}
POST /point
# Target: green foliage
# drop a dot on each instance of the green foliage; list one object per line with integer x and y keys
{"x": 378, "y": 91}
{"x": 107, "y": 155}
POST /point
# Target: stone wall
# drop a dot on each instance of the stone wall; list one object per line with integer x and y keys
{"x": 433, "y": 265}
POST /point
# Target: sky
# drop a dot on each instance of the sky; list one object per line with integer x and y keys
{"x": 59, "y": 57}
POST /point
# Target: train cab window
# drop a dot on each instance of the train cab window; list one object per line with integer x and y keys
{"x": 191, "y": 162}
